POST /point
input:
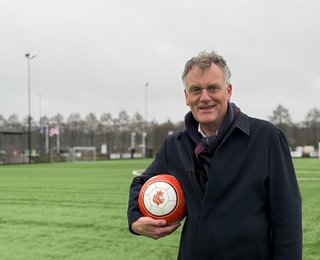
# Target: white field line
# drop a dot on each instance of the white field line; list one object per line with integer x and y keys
{"x": 138, "y": 172}
{"x": 308, "y": 179}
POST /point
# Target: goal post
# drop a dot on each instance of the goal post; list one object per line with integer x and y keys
{"x": 83, "y": 153}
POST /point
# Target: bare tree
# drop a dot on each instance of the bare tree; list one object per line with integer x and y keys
{"x": 13, "y": 123}
{"x": 312, "y": 124}
{"x": 281, "y": 118}
{"x": 137, "y": 123}
{"x": 137, "y": 126}
{"x": 91, "y": 127}
{"x": 44, "y": 121}
{"x": 14, "y": 140}
{"x": 161, "y": 131}
{"x": 3, "y": 122}
{"x": 74, "y": 122}
{"x": 122, "y": 123}
{"x": 74, "y": 119}
{"x": 107, "y": 121}
{"x": 107, "y": 126}
{"x": 57, "y": 120}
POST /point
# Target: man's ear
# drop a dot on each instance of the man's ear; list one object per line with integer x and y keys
{"x": 229, "y": 89}
{"x": 186, "y": 97}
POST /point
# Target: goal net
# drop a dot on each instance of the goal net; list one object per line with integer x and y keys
{"x": 79, "y": 154}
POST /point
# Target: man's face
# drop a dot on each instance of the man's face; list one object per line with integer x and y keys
{"x": 207, "y": 95}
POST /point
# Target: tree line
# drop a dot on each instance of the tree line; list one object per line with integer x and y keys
{"x": 303, "y": 133}
{"x": 119, "y": 133}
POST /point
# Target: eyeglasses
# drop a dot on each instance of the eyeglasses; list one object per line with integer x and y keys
{"x": 211, "y": 89}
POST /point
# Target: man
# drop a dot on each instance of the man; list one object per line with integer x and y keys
{"x": 242, "y": 196}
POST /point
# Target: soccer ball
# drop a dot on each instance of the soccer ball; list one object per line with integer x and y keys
{"x": 161, "y": 197}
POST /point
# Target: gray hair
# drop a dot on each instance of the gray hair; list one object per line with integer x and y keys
{"x": 204, "y": 61}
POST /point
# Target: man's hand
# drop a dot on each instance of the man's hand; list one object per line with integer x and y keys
{"x": 153, "y": 228}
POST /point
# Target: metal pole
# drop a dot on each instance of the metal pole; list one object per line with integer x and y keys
{"x": 145, "y": 135}
{"x": 40, "y": 126}
{"x": 40, "y": 107}
{"x": 29, "y": 104}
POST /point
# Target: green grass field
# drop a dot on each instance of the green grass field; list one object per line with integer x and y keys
{"x": 78, "y": 211}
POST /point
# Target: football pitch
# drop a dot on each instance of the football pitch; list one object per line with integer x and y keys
{"x": 78, "y": 211}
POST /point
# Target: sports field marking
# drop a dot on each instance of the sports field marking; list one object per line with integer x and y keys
{"x": 308, "y": 179}
{"x": 138, "y": 172}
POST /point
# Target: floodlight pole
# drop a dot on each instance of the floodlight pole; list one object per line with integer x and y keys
{"x": 40, "y": 125}
{"x": 29, "y": 58}
{"x": 40, "y": 108}
{"x": 145, "y": 135}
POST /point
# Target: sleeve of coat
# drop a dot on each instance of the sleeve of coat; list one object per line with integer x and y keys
{"x": 284, "y": 203}
{"x": 157, "y": 166}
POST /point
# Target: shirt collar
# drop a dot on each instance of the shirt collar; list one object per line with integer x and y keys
{"x": 203, "y": 133}
{"x": 200, "y": 131}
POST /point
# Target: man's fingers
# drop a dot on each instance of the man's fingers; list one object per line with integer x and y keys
{"x": 157, "y": 222}
{"x": 153, "y": 228}
{"x": 163, "y": 231}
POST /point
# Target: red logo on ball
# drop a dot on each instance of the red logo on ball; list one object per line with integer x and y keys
{"x": 158, "y": 198}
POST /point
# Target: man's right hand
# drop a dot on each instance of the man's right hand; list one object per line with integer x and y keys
{"x": 153, "y": 228}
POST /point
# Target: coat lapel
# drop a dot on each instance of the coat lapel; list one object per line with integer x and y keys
{"x": 186, "y": 156}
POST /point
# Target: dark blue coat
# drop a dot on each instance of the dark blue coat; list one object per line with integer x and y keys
{"x": 251, "y": 208}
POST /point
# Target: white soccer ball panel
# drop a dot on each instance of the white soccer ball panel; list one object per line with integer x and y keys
{"x": 146, "y": 202}
{"x": 169, "y": 207}
{"x": 156, "y": 211}
{"x": 172, "y": 194}
{"x": 162, "y": 185}
{"x": 150, "y": 188}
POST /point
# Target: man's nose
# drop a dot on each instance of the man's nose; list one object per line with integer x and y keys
{"x": 204, "y": 95}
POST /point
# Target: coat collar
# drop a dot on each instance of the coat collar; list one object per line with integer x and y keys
{"x": 241, "y": 122}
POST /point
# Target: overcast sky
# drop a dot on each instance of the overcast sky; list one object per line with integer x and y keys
{"x": 97, "y": 55}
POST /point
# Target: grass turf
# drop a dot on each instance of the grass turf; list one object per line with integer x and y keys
{"x": 78, "y": 211}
